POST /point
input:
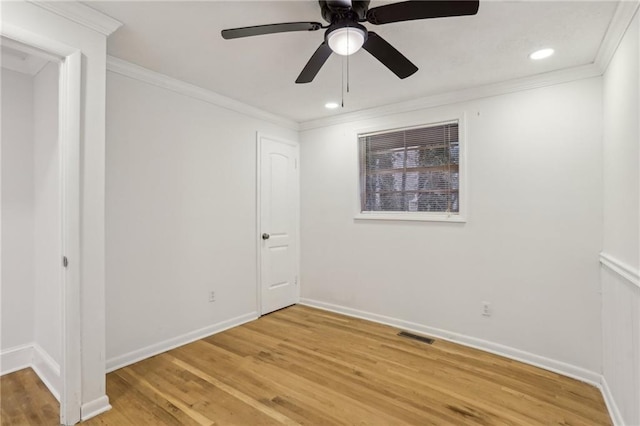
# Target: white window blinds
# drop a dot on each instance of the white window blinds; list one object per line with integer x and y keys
{"x": 411, "y": 170}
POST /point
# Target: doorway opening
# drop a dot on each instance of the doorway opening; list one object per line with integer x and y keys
{"x": 39, "y": 216}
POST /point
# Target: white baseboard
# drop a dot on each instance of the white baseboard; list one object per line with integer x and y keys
{"x": 166, "y": 345}
{"x": 95, "y": 407}
{"x": 47, "y": 369}
{"x": 614, "y": 411}
{"x": 559, "y": 367}
{"x": 16, "y": 358}
{"x": 32, "y": 355}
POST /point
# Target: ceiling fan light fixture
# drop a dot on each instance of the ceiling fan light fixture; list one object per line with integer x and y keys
{"x": 331, "y": 105}
{"x": 346, "y": 40}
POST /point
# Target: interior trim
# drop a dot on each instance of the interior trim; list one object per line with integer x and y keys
{"x": 560, "y": 367}
{"x": 95, "y": 407}
{"x": 591, "y": 377}
{"x": 621, "y": 20}
{"x": 16, "y": 358}
{"x": 610, "y": 402}
{"x": 120, "y": 66}
{"x": 623, "y": 16}
{"x": 82, "y": 14}
{"x": 625, "y": 271}
{"x": 33, "y": 356}
{"x": 47, "y": 369}
{"x": 132, "y": 357}
{"x": 458, "y": 96}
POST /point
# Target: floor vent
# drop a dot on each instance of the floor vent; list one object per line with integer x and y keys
{"x": 419, "y": 338}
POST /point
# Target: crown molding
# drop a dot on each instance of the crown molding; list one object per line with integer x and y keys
{"x": 82, "y": 14}
{"x": 621, "y": 20}
{"x": 624, "y": 14}
{"x": 120, "y": 66}
{"x": 489, "y": 90}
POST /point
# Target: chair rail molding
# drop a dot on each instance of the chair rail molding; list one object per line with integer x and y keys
{"x": 625, "y": 271}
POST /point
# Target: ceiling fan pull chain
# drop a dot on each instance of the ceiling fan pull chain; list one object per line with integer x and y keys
{"x": 348, "y": 39}
{"x": 342, "y": 88}
{"x": 348, "y": 73}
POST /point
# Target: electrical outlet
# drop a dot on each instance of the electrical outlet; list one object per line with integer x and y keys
{"x": 486, "y": 309}
{"x": 212, "y": 296}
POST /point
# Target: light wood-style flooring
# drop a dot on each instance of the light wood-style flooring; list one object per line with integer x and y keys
{"x": 305, "y": 366}
{"x": 25, "y": 400}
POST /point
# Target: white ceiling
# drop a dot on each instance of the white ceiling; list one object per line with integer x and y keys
{"x": 182, "y": 40}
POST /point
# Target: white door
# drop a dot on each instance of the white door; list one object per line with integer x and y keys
{"x": 278, "y": 233}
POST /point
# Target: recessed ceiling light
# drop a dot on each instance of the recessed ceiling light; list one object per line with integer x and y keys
{"x": 331, "y": 105}
{"x": 541, "y": 54}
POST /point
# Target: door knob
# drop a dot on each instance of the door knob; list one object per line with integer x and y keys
{"x": 265, "y": 236}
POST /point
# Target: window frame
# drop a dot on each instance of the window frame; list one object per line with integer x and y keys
{"x": 460, "y": 216}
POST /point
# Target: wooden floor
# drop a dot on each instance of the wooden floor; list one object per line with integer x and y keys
{"x": 25, "y": 400}
{"x": 305, "y": 366}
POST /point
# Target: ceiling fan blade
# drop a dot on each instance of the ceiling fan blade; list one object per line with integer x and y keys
{"x": 410, "y": 10}
{"x": 270, "y": 29}
{"x": 315, "y": 63}
{"x": 389, "y": 56}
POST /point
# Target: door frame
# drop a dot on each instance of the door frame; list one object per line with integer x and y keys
{"x": 259, "y": 137}
{"x": 69, "y": 122}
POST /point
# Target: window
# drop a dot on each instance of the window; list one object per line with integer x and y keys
{"x": 415, "y": 170}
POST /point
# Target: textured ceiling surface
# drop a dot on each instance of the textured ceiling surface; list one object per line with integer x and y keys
{"x": 182, "y": 40}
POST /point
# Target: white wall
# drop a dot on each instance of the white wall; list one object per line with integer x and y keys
{"x": 530, "y": 246}
{"x": 621, "y": 296}
{"x": 31, "y": 245}
{"x": 47, "y": 220}
{"x": 36, "y": 20}
{"x": 181, "y": 217}
{"x": 621, "y": 196}
{"x": 17, "y": 285}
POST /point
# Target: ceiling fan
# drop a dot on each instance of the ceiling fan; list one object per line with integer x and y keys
{"x": 345, "y": 35}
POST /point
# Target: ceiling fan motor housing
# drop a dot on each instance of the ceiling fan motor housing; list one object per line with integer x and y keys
{"x": 343, "y": 24}
{"x": 337, "y": 10}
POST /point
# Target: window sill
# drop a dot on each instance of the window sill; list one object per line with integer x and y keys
{"x": 415, "y": 217}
